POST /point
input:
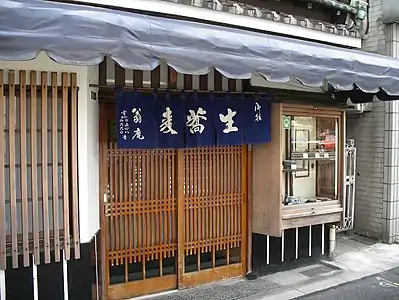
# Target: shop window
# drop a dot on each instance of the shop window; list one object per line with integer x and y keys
{"x": 310, "y": 159}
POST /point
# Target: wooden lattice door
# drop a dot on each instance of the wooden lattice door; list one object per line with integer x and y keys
{"x": 171, "y": 218}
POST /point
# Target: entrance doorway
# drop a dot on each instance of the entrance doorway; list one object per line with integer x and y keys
{"x": 171, "y": 218}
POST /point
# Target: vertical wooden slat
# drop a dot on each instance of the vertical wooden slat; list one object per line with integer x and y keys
{"x": 130, "y": 187}
{"x": 119, "y": 75}
{"x": 126, "y": 212}
{"x": 227, "y": 211}
{"x": 212, "y": 224}
{"x": 138, "y": 218}
{"x": 203, "y": 82}
{"x": 137, "y": 78}
{"x": 35, "y": 200}
{"x": 144, "y": 171}
{"x": 54, "y": 149}
{"x": 172, "y": 203}
{"x": 24, "y": 170}
{"x": 65, "y": 164}
{"x": 147, "y": 179}
{"x": 2, "y": 187}
{"x": 191, "y": 204}
{"x": 218, "y": 201}
{"x": 226, "y": 196}
{"x": 172, "y": 78}
{"x": 198, "y": 207}
{"x": 13, "y": 195}
{"x": 243, "y": 233}
{"x": 45, "y": 214}
{"x": 167, "y": 197}
{"x": 119, "y": 202}
{"x": 232, "y": 85}
{"x": 152, "y": 198}
{"x": 188, "y": 82}
{"x": 74, "y": 158}
{"x": 187, "y": 195}
{"x": 102, "y": 72}
{"x": 104, "y": 181}
{"x": 205, "y": 194}
{"x": 134, "y": 180}
{"x": 180, "y": 217}
{"x": 218, "y": 81}
{"x": 112, "y": 218}
{"x": 157, "y": 186}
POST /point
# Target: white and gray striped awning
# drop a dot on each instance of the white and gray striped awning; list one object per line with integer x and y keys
{"x": 83, "y": 35}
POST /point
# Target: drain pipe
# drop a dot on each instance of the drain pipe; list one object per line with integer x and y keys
{"x": 332, "y": 242}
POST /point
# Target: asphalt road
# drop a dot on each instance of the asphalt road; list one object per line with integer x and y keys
{"x": 377, "y": 287}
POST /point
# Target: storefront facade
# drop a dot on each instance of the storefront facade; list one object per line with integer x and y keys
{"x": 176, "y": 217}
{"x": 270, "y": 234}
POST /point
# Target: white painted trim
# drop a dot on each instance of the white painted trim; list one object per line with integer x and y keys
{"x": 35, "y": 280}
{"x": 296, "y": 242}
{"x": 310, "y": 240}
{"x": 2, "y": 285}
{"x": 65, "y": 275}
{"x": 322, "y": 238}
{"x": 268, "y": 250}
{"x": 282, "y": 246}
{"x": 198, "y": 13}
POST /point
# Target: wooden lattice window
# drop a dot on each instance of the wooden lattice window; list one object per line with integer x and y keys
{"x": 38, "y": 205}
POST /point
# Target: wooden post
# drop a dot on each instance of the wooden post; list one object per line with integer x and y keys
{"x": 3, "y": 256}
{"x": 12, "y": 150}
{"x": 250, "y": 209}
{"x": 244, "y": 217}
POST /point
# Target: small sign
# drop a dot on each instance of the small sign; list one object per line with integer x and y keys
{"x": 326, "y": 155}
{"x": 305, "y": 155}
{"x": 286, "y": 122}
{"x": 317, "y": 155}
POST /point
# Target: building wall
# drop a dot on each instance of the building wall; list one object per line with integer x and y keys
{"x": 76, "y": 274}
{"x": 87, "y": 137}
{"x": 376, "y": 138}
{"x": 368, "y": 132}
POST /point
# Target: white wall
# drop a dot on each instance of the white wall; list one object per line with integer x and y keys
{"x": 88, "y": 155}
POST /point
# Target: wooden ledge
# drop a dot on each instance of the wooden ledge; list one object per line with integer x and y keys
{"x": 311, "y": 214}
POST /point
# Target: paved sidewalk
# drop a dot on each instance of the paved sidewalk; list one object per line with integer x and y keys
{"x": 356, "y": 258}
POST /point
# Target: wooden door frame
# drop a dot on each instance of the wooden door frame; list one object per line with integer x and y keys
{"x": 103, "y": 132}
{"x": 184, "y": 280}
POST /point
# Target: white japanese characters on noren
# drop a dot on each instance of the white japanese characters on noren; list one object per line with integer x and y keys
{"x": 228, "y": 120}
{"x": 137, "y": 134}
{"x": 124, "y": 125}
{"x": 258, "y": 115}
{"x": 136, "y": 112}
{"x": 194, "y": 118}
{"x": 137, "y": 119}
{"x": 166, "y": 124}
